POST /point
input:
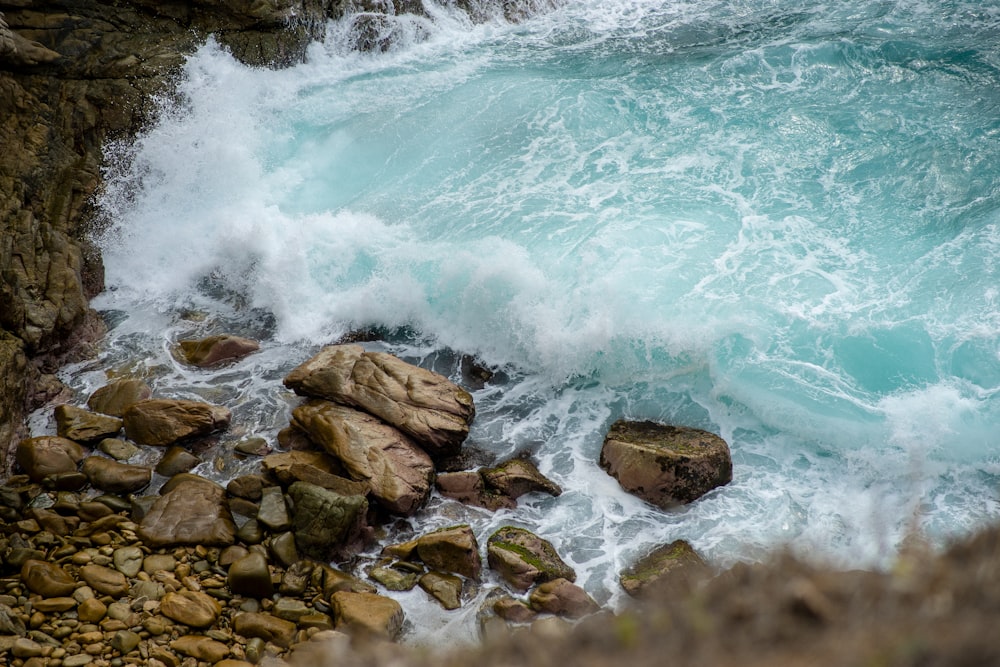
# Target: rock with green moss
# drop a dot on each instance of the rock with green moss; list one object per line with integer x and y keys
{"x": 326, "y": 524}
{"x": 665, "y": 465}
{"x": 523, "y": 559}
{"x": 452, "y": 549}
{"x": 665, "y": 566}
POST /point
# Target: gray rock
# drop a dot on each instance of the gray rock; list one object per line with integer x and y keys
{"x": 426, "y": 406}
{"x": 665, "y": 465}
{"x": 325, "y": 523}
{"x": 445, "y": 588}
{"x": 128, "y": 560}
{"x": 273, "y": 512}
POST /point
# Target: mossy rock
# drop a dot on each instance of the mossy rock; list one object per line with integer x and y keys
{"x": 522, "y": 558}
{"x": 670, "y": 564}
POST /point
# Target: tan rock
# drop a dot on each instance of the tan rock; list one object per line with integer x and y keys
{"x": 47, "y": 579}
{"x": 215, "y": 350}
{"x": 281, "y": 465}
{"x": 267, "y": 627}
{"x": 563, "y": 598}
{"x": 200, "y": 647}
{"x": 425, "y": 405}
{"x": 47, "y": 455}
{"x": 398, "y": 473}
{"x": 116, "y": 397}
{"x": 665, "y": 465}
{"x": 193, "y": 608}
{"x": 194, "y": 511}
{"x": 452, "y": 549}
{"x": 445, "y": 588}
{"x": 367, "y": 614}
{"x": 83, "y": 425}
{"x": 105, "y": 580}
{"x": 91, "y": 610}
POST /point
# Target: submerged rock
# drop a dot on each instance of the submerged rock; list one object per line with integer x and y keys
{"x": 163, "y": 422}
{"x": 665, "y": 465}
{"x": 116, "y": 397}
{"x": 423, "y": 404}
{"x": 215, "y": 350}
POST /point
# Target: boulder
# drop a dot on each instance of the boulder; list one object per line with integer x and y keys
{"x": 425, "y": 405}
{"x": 398, "y": 473}
{"x": 468, "y": 487}
{"x": 47, "y": 455}
{"x": 269, "y": 628}
{"x": 83, "y": 425}
{"x": 452, "y": 549}
{"x": 163, "y": 422}
{"x": 47, "y": 579}
{"x": 215, "y": 350}
{"x": 250, "y": 576}
{"x": 114, "y": 477}
{"x": 664, "y": 567}
{"x": 116, "y": 397}
{"x": 514, "y": 610}
{"x": 563, "y": 598}
{"x": 281, "y": 466}
{"x": 516, "y": 477}
{"x": 445, "y": 588}
{"x": 193, "y": 511}
{"x": 367, "y": 614}
{"x": 327, "y": 524}
{"x": 193, "y": 608}
{"x": 175, "y": 461}
{"x": 665, "y": 465}
{"x": 523, "y": 559}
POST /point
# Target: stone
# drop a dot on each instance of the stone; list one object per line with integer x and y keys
{"x": 279, "y": 466}
{"x": 124, "y": 641}
{"x": 522, "y": 558}
{"x": 252, "y": 447}
{"x": 200, "y": 647}
{"x": 335, "y": 580}
{"x": 116, "y": 397}
{"x": 425, "y": 405}
{"x": 250, "y": 487}
{"x": 265, "y": 626}
{"x": 290, "y": 609}
{"x": 367, "y": 614}
{"x": 192, "y": 608}
{"x": 91, "y": 610}
{"x": 563, "y": 598}
{"x": 118, "y": 449}
{"x": 468, "y": 487}
{"x": 128, "y": 560}
{"x": 250, "y": 576}
{"x": 154, "y": 563}
{"x": 516, "y": 477}
{"x": 445, "y": 588}
{"x": 216, "y": 350}
{"x": 26, "y": 648}
{"x": 47, "y": 579}
{"x": 296, "y": 578}
{"x": 231, "y": 554}
{"x": 115, "y": 477}
{"x": 398, "y": 473}
{"x": 162, "y": 422}
{"x": 273, "y": 511}
{"x": 54, "y": 605}
{"x": 10, "y": 622}
{"x": 175, "y": 461}
{"x": 325, "y": 523}
{"x": 514, "y": 610}
{"x": 105, "y": 580}
{"x": 393, "y": 578}
{"x": 665, "y": 566}
{"x": 284, "y": 548}
{"x": 83, "y": 425}
{"x": 194, "y": 511}
{"x": 665, "y": 465}
{"x": 451, "y": 549}
{"x": 47, "y": 455}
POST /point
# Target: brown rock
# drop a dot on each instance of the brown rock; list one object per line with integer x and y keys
{"x": 664, "y": 567}
{"x": 564, "y": 598}
{"x": 47, "y": 455}
{"x": 194, "y": 511}
{"x": 469, "y": 487}
{"x": 267, "y": 627}
{"x": 47, "y": 579}
{"x": 175, "y": 461}
{"x": 280, "y": 466}
{"x": 249, "y": 487}
{"x": 200, "y": 647}
{"x": 514, "y": 610}
{"x": 91, "y": 610}
{"x": 516, "y": 477}
{"x": 445, "y": 588}
{"x": 367, "y": 614}
{"x": 116, "y": 397}
{"x": 83, "y": 425}
{"x": 114, "y": 477}
{"x": 216, "y": 350}
{"x": 104, "y": 580}
{"x": 398, "y": 473}
{"x": 250, "y": 576}
{"x": 452, "y": 549}
{"x": 162, "y": 422}
{"x": 522, "y": 558}
{"x": 192, "y": 608}
{"x": 665, "y": 465}
{"x": 424, "y": 405}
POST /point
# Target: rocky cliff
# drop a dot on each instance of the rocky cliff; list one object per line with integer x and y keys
{"x": 73, "y": 74}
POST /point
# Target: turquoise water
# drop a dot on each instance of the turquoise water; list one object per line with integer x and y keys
{"x": 776, "y": 220}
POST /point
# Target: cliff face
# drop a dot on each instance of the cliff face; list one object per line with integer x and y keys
{"x": 73, "y": 74}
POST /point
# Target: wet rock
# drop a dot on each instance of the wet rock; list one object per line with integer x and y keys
{"x": 514, "y": 610}
{"x": 367, "y": 614}
{"x": 200, "y": 647}
{"x": 398, "y": 473}
{"x": 252, "y": 447}
{"x": 47, "y": 455}
{"x": 468, "y": 487}
{"x": 326, "y": 523}
{"x": 116, "y": 397}
{"x": 516, "y": 477}
{"x": 665, "y": 465}
{"x": 335, "y": 483}
{"x": 249, "y": 487}
{"x": 250, "y": 576}
{"x": 162, "y": 422}
{"x": 273, "y": 512}
{"x": 231, "y": 554}
{"x": 280, "y": 466}
{"x": 83, "y": 425}
{"x": 265, "y": 626}
{"x": 194, "y": 511}
{"x": 91, "y": 610}
{"x": 424, "y": 405}
{"x": 175, "y": 461}
{"x": 118, "y": 449}
{"x": 192, "y": 608}
{"x": 563, "y": 598}
{"x": 105, "y": 580}
{"x": 114, "y": 477}
{"x": 335, "y": 580}
{"x": 284, "y": 549}
{"x": 452, "y": 549}
{"x": 445, "y": 588}
{"x": 47, "y": 579}
{"x": 664, "y": 567}
{"x": 290, "y": 609}
{"x": 128, "y": 560}
{"x": 10, "y": 622}
{"x": 522, "y": 558}
{"x": 215, "y": 350}
{"x": 394, "y": 578}
{"x": 296, "y": 578}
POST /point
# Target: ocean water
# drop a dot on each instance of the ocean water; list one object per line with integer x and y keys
{"x": 775, "y": 220}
